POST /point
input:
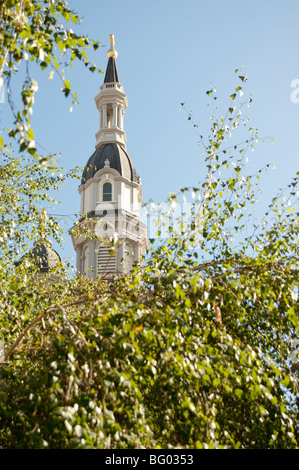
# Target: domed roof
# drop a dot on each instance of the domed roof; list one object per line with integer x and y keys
{"x": 118, "y": 158}
{"x": 44, "y": 256}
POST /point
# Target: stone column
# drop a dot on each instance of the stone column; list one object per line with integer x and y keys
{"x": 104, "y": 116}
{"x": 120, "y": 118}
{"x": 114, "y": 117}
{"x": 101, "y": 118}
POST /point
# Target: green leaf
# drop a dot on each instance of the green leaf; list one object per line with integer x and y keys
{"x": 30, "y": 134}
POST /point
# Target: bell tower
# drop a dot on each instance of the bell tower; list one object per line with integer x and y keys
{"x": 111, "y": 103}
{"x": 110, "y": 235}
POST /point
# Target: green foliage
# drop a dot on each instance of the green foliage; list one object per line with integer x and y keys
{"x": 26, "y": 186}
{"x": 38, "y": 31}
{"x": 193, "y": 349}
{"x": 143, "y": 362}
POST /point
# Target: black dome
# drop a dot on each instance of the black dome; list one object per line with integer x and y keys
{"x": 119, "y": 160}
{"x": 44, "y": 256}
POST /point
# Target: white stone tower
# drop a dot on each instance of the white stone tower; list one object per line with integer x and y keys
{"x": 110, "y": 190}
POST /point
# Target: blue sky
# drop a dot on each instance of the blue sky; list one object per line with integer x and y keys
{"x": 170, "y": 52}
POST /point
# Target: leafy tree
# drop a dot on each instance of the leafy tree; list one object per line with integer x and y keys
{"x": 38, "y": 31}
{"x": 192, "y": 349}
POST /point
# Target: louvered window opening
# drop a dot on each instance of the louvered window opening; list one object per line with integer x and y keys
{"x": 106, "y": 262}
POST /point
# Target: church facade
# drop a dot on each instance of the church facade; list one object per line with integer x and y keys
{"x": 110, "y": 236}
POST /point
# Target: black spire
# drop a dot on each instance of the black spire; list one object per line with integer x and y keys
{"x": 111, "y": 71}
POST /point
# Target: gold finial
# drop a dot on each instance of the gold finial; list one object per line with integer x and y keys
{"x": 112, "y": 52}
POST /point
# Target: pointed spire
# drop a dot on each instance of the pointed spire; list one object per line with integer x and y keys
{"x": 111, "y": 71}
{"x": 111, "y": 102}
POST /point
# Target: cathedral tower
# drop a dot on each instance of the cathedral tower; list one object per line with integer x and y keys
{"x": 110, "y": 191}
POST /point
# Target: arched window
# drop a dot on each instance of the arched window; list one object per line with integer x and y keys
{"x": 107, "y": 192}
